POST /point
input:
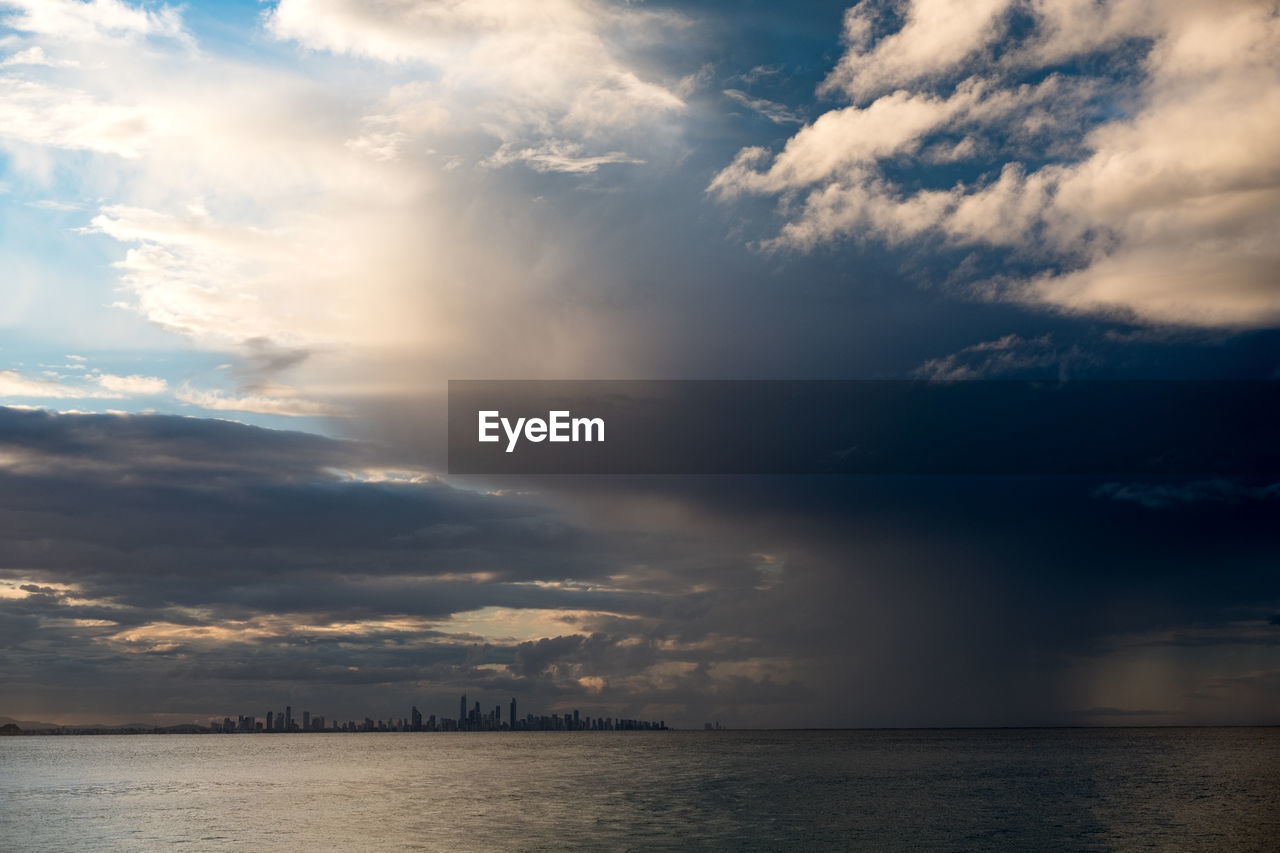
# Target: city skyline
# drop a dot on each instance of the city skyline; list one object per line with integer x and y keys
{"x": 469, "y": 719}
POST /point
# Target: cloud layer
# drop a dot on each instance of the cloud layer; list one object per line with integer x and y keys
{"x": 157, "y": 564}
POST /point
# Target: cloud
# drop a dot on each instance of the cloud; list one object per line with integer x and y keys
{"x": 210, "y": 565}
{"x": 1005, "y": 356}
{"x": 1147, "y": 193}
{"x": 105, "y": 386}
{"x": 132, "y": 385}
{"x": 14, "y": 384}
{"x": 91, "y": 20}
{"x": 776, "y": 113}
{"x": 283, "y": 402}
{"x": 934, "y": 38}
{"x": 96, "y": 386}
{"x": 1164, "y": 495}
{"x": 382, "y": 229}
{"x": 443, "y": 197}
{"x": 40, "y": 114}
{"x": 557, "y": 157}
{"x": 552, "y": 76}
{"x": 35, "y": 55}
{"x": 206, "y": 566}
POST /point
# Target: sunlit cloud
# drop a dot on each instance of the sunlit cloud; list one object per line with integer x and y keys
{"x": 290, "y": 406}
{"x": 1164, "y": 214}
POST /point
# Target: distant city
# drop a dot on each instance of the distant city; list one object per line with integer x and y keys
{"x": 471, "y": 718}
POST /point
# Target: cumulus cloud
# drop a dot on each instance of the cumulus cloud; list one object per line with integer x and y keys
{"x": 1154, "y": 199}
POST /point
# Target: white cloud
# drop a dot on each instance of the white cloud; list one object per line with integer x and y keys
{"x": 530, "y": 75}
{"x": 94, "y": 20}
{"x": 14, "y": 384}
{"x": 224, "y": 284}
{"x": 99, "y": 386}
{"x": 132, "y": 385}
{"x": 41, "y": 114}
{"x": 1168, "y": 213}
{"x": 282, "y": 403}
{"x": 35, "y": 55}
{"x": 936, "y": 36}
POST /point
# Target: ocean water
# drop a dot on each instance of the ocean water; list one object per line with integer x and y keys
{"x": 1069, "y": 789}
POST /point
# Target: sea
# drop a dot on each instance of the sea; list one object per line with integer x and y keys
{"x": 1169, "y": 789}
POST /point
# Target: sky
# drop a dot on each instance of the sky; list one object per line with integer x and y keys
{"x": 244, "y": 245}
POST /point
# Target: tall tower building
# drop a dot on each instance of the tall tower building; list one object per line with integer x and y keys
{"x": 288, "y": 718}
{"x": 513, "y": 713}
{"x": 462, "y": 712}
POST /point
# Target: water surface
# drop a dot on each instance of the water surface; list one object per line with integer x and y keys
{"x": 1071, "y": 789}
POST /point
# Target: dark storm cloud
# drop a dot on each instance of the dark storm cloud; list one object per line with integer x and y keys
{"x": 216, "y": 567}
{"x": 149, "y": 548}
{"x": 970, "y": 594}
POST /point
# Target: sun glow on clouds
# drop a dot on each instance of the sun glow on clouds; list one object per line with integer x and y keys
{"x": 501, "y": 624}
{"x": 286, "y": 205}
{"x": 108, "y": 386}
{"x": 169, "y": 636}
{"x": 27, "y": 587}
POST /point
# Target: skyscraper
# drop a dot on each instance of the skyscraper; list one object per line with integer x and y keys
{"x": 462, "y": 712}
{"x": 513, "y": 713}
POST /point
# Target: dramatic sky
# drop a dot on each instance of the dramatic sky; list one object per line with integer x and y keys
{"x": 244, "y": 244}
